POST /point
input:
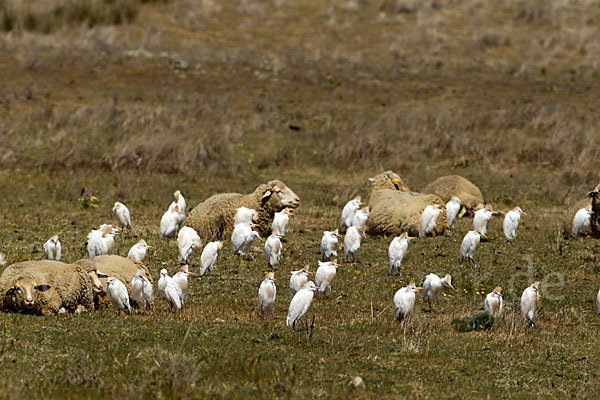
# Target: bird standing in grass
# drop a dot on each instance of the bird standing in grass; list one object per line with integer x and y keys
{"x": 2, "y": 259}
{"x": 511, "y": 223}
{"x": 241, "y": 240}
{"x": 117, "y": 294}
{"x": 598, "y": 303}
{"x": 329, "y": 244}
{"x": 169, "y": 222}
{"x": 470, "y": 244}
{"x": 530, "y": 299}
{"x": 300, "y": 304}
{"x": 582, "y": 221}
{"x": 352, "y": 241}
{"x": 181, "y": 205}
{"x": 361, "y": 217}
{"x": 432, "y": 287}
{"x": 273, "y": 249}
{"x": 138, "y": 251}
{"x": 452, "y": 210}
{"x": 298, "y": 279}
{"x": 245, "y": 215}
{"x": 122, "y": 215}
{"x": 348, "y": 212}
{"x": 181, "y": 281}
{"x": 325, "y": 276}
{"x": 266, "y": 295}
{"x": 397, "y": 251}
{"x": 209, "y": 256}
{"x": 141, "y": 290}
{"x": 429, "y": 218}
{"x": 493, "y": 302}
{"x": 404, "y": 301}
{"x": 168, "y": 289}
{"x": 482, "y": 217}
{"x": 102, "y": 241}
{"x": 53, "y": 249}
{"x": 188, "y": 242}
{"x": 281, "y": 220}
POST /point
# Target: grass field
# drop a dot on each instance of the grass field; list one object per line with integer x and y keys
{"x": 208, "y": 97}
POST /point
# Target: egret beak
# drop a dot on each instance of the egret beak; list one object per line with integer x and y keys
{"x": 411, "y": 238}
{"x": 337, "y": 236}
{"x": 361, "y": 203}
{"x": 452, "y": 287}
{"x": 338, "y": 265}
{"x": 190, "y": 273}
{"x": 523, "y": 212}
{"x": 443, "y": 210}
{"x": 273, "y": 279}
{"x": 316, "y": 287}
{"x": 261, "y": 239}
{"x": 499, "y": 294}
{"x": 291, "y": 211}
{"x": 418, "y": 288}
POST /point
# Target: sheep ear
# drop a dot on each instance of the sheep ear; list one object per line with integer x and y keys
{"x": 101, "y": 275}
{"x": 266, "y": 195}
{"x": 42, "y": 288}
{"x": 11, "y": 291}
{"x": 593, "y": 193}
{"x": 371, "y": 180}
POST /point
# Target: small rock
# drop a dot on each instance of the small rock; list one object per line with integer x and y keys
{"x": 357, "y": 381}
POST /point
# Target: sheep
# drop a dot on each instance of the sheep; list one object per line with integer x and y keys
{"x": 45, "y": 288}
{"x": 594, "y": 196}
{"x": 593, "y": 200}
{"x": 213, "y": 218}
{"x": 395, "y": 209}
{"x": 450, "y": 186}
{"x": 124, "y": 269}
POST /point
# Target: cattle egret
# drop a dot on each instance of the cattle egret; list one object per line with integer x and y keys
{"x": 52, "y": 249}
{"x": 188, "y": 242}
{"x": 181, "y": 205}
{"x": 300, "y": 304}
{"x": 404, "y": 301}
{"x": 329, "y": 244}
{"x": 432, "y": 287}
{"x": 141, "y": 290}
{"x": 298, "y": 279}
{"x": 482, "y": 217}
{"x": 361, "y": 217}
{"x": 582, "y": 220}
{"x": 181, "y": 281}
{"x": 470, "y": 244}
{"x": 266, "y": 295}
{"x": 169, "y": 222}
{"x": 2, "y": 259}
{"x": 209, "y": 256}
{"x": 493, "y": 302}
{"x": 348, "y": 212}
{"x": 429, "y": 218}
{"x": 121, "y": 213}
{"x": 511, "y": 223}
{"x": 273, "y": 249}
{"x": 241, "y": 240}
{"x": 397, "y": 251}
{"x": 162, "y": 283}
{"x": 281, "y": 220}
{"x": 452, "y": 210}
{"x": 352, "y": 241}
{"x": 245, "y": 215}
{"x": 530, "y": 299}
{"x": 598, "y": 302}
{"x": 138, "y": 251}
{"x": 117, "y": 294}
{"x": 101, "y": 241}
{"x": 325, "y": 276}
{"x": 168, "y": 289}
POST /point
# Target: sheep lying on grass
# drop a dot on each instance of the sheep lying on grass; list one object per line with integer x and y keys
{"x": 446, "y": 187}
{"x": 124, "y": 269}
{"x": 46, "y": 287}
{"x": 213, "y": 218}
{"x": 394, "y": 209}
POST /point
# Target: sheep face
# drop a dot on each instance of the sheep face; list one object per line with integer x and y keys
{"x": 281, "y": 196}
{"x": 388, "y": 180}
{"x": 26, "y": 292}
{"x": 95, "y": 279}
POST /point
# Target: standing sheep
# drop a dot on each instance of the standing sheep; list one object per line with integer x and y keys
{"x": 394, "y": 209}
{"x": 45, "y": 287}
{"x": 213, "y": 218}
{"x": 450, "y": 186}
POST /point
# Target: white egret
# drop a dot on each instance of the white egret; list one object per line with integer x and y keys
{"x": 432, "y": 287}
{"x": 470, "y": 244}
{"x": 325, "y": 276}
{"x": 266, "y": 295}
{"x": 348, "y": 212}
{"x": 429, "y": 218}
{"x": 141, "y": 290}
{"x": 281, "y": 220}
{"x": 598, "y": 302}
{"x": 162, "y": 283}
{"x": 181, "y": 281}
{"x": 397, "y": 251}
{"x": 188, "y": 242}
{"x": 2, "y": 259}
{"x": 169, "y": 222}
{"x": 53, "y": 248}
{"x": 482, "y": 217}
{"x": 361, "y": 217}
{"x": 181, "y": 205}
{"x": 209, "y": 256}
{"x": 452, "y": 210}
{"x": 493, "y": 302}
{"x": 245, "y": 215}
{"x": 582, "y": 221}
{"x": 101, "y": 241}
{"x": 511, "y": 223}
{"x": 530, "y": 299}
{"x": 168, "y": 289}
{"x": 122, "y": 215}
{"x": 329, "y": 244}
{"x": 116, "y": 291}
{"x": 273, "y": 249}
{"x": 404, "y": 301}
{"x": 298, "y": 279}
{"x": 138, "y": 251}
{"x": 241, "y": 240}
{"x": 352, "y": 241}
{"x": 300, "y": 304}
